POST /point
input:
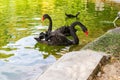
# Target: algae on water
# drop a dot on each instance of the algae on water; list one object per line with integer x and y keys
{"x": 2, "y": 55}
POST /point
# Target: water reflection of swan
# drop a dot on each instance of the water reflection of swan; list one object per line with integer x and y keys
{"x": 51, "y": 50}
{"x": 57, "y": 38}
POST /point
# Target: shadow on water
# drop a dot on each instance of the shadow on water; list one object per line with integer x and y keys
{"x": 50, "y": 50}
{"x": 21, "y": 56}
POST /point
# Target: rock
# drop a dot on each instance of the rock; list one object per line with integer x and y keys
{"x": 79, "y": 65}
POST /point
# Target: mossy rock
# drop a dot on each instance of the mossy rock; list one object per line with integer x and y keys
{"x": 109, "y": 43}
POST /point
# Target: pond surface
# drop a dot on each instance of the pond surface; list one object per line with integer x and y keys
{"x": 20, "y": 21}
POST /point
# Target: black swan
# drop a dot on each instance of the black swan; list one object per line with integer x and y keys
{"x": 71, "y": 15}
{"x": 64, "y": 29}
{"x": 59, "y": 39}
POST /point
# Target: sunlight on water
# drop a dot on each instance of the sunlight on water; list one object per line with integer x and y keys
{"x": 26, "y": 62}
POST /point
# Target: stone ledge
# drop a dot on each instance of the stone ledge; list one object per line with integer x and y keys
{"x": 79, "y": 65}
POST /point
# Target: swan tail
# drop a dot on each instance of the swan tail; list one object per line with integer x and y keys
{"x": 77, "y": 14}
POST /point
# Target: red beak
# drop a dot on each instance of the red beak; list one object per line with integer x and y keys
{"x": 42, "y": 19}
{"x": 86, "y": 33}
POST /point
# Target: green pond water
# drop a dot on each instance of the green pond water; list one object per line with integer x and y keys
{"x": 20, "y": 21}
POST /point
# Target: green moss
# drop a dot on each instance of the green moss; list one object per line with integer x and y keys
{"x": 109, "y": 43}
{"x": 8, "y": 49}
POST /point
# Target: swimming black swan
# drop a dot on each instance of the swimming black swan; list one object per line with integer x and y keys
{"x": 71, "y": 15}
{"x": 59, "y": 39}
{"x": 64, "y": 29}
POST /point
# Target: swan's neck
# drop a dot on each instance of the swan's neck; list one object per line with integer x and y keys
{"x": 50, "y": 25}
{"x": 75, "y": 37}
{"x": 72, "y": 31}
{"x": 84, "y": 29}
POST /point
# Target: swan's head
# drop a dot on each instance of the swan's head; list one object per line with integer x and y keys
{"x": 85, "y": 30}
{"x": 45, "y": 16}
